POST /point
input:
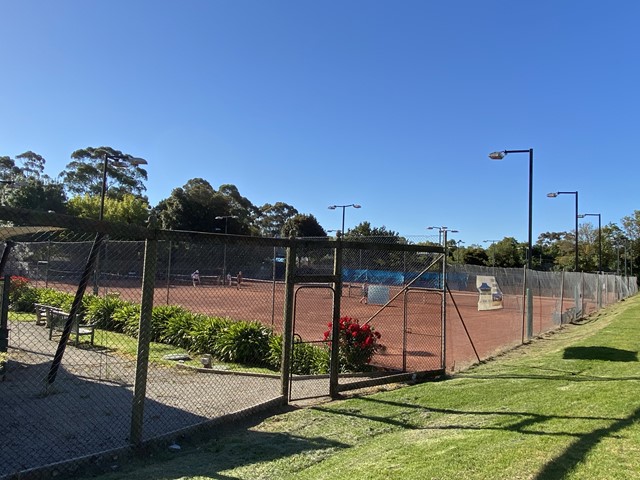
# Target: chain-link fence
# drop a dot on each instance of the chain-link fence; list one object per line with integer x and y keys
{"x": 493, "y": 309}
{"x": 113, "y": 336}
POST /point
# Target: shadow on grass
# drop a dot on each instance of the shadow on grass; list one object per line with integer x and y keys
{"x": 578, "y": 450}
{"x": 600, "y": 353}
{"x": 557, "y": 374}
{"x": 557, "y": 469}
{"x": 524, "y": 419}
{"x": 236, "y": 446}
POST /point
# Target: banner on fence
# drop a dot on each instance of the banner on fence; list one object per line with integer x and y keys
{"x": 490, "y": 296}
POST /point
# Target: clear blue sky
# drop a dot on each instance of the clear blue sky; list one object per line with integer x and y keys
{"x": 390, "y": 104}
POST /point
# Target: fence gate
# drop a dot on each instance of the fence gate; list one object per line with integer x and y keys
{"x": 313, "y": 313}
{"x": 423, "y": 330}
{"x": 404, "y": 305}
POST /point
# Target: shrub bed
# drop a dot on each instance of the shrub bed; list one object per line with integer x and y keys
{"x": 246, "y": 342}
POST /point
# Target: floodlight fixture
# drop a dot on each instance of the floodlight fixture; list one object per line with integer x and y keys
{"x": 344, "y": 207}
{"x": 576, "y": 216}
{"x": 499, "y": 156}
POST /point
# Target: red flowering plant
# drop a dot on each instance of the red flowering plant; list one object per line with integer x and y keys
{"x": 357, "y": 343}
{"x": 17, "y": 287}
{"x": 22, "y": 295}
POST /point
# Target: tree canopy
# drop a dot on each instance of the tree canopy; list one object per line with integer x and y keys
{"x": 129, "y": 209}
{"x": 301, "y": 225}
{"x": 83, "y": 175}
{"x": 271, "y": 218}
{"x": 197, "y": 206}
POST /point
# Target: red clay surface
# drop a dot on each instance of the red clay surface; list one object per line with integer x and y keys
{"x": 415, "y": 330}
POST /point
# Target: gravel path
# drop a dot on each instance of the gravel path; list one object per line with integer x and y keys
{"x": 88, "y": 408}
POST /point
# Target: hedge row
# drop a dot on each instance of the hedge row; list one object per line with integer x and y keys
{"x": 244, "y": 342}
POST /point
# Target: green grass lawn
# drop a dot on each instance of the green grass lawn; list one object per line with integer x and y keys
{"x": 566, "y": 406}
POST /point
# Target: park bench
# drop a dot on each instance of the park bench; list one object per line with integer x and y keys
{"x": 58, "y": 318}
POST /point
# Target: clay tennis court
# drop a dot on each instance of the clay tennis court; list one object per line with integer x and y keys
{"x": 410, "y": 324}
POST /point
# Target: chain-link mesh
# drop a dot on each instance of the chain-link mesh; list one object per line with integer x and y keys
{"x": 476, "y": 331}
{"x": 117, "y": 335}
{"x": 67, "y": 397}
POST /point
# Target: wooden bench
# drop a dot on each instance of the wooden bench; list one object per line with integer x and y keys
{"x": 57, "y": 319}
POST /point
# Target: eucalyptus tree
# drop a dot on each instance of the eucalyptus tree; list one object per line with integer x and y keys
{"x": 32, "y": 164}
{"x": 303, "y": 225}
{"x": 83, "y": 175}
{"x": 197, "y": 206}
{"x": 631, "y": 225}
{"x": 27, "y": 186}
{"x": 271, "y": 218}
{"x": 508, "y": 253}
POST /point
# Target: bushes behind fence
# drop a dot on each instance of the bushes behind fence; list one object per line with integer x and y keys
{"x": 245, "y": 342}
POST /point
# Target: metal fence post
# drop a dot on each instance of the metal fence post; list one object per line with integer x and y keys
{"x": 4, "y": 315}
{"x": 529, "y": 315}
{"x": 8, "y": 245}
{"x": 144, "y": 334}
{"x": 443, "y": 307}
{"x": 335, "y": 330}
{"x": 524, "y": 304}
{"x": 287, "y": 332}
{"x": 561, "y": 296}
{"x": 75, "y": 308}
{"x": 581, "y": 294}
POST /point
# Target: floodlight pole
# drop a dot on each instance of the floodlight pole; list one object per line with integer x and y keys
{"x": 103, "y": 192}
{"x": 343, "y": 207}
{"x": 500, "y": 156}
{"x": 442, "y": 234}
{"x": 224, "y": 255}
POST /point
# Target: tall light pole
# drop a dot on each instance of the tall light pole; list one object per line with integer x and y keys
{"x": 599, "y": 236}
{"x": 343, "y": 207}
{"x": 224, "y": 255}
{"x": 500, "y": 156}
{"x": 118, "y": 161}
{"x": 554, "y": 195}
{"x": 442, "y": 234}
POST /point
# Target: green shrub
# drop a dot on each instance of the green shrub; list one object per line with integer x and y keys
{"x": 128, "y": 315}
{"x": 274, "y": 356}
{"x": 54, "y": 298}
{"x": 23, "y": 298}
{"x": 177, "y": 329}
{"x": 163, "y": 315}
{"x": 205, "y": 331}
{"x": 101, "y": 311}
{"x": 308, "y": 359}
{"x": 18, "y": 287}
{"x": 243, "y": 342}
